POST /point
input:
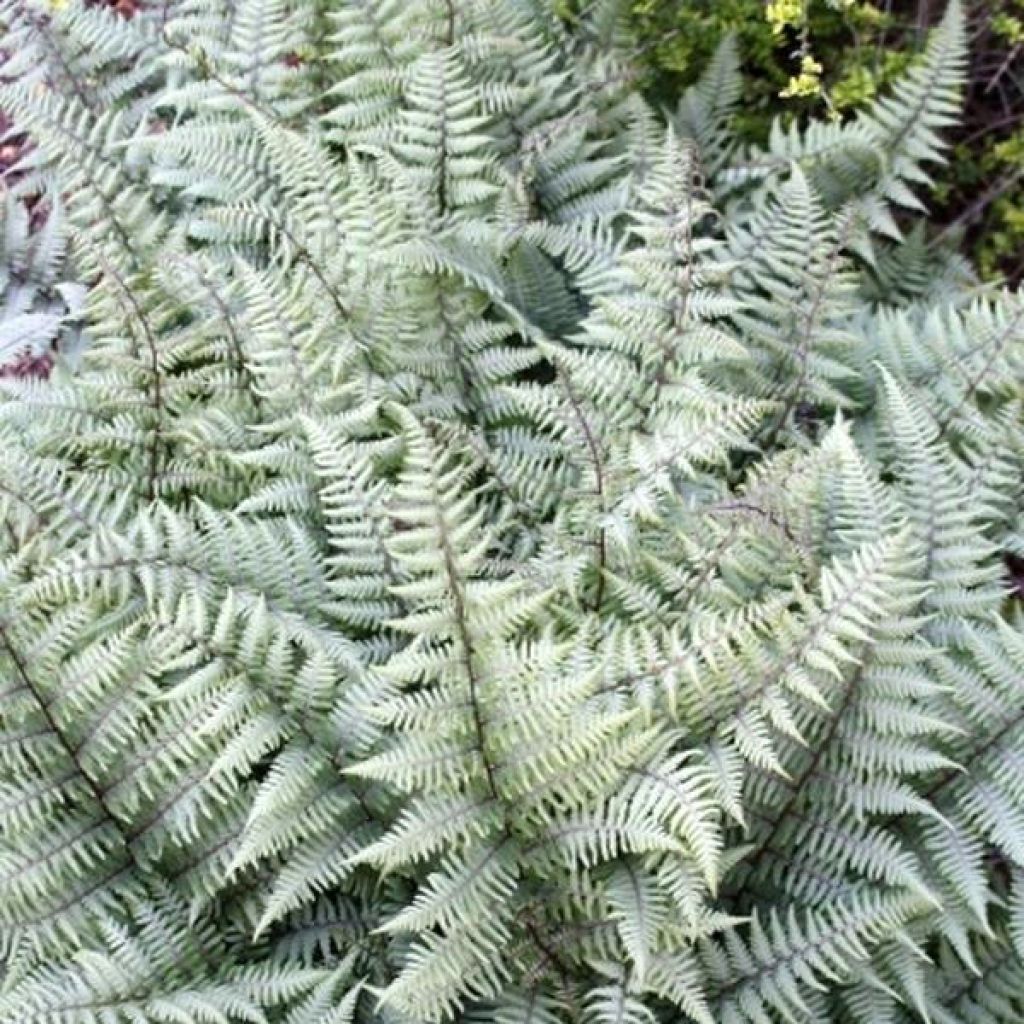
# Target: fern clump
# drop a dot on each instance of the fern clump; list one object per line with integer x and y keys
{"x": 502, "y": 554}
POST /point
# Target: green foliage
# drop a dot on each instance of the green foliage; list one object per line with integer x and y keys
{"x": 502, "y": 555}
{"x": 834, "y": 57}
{"x": 775, "y": 39}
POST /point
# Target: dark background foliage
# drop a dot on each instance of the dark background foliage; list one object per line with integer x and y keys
{"x": 861, "y": 46}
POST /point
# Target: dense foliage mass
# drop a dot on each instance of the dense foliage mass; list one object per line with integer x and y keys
{"x": 499, "y": 556}
{"x": 834, "y": 56}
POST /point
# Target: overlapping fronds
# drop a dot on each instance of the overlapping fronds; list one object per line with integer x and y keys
{"x": 499, "y": 557}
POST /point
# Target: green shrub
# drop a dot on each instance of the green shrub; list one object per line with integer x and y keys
{"x": 501, "y": 557}
{"x": 676, "y": 40}
{"x": 857, "y": 48}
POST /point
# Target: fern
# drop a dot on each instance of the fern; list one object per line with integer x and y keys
{"x": 502, "y": 555}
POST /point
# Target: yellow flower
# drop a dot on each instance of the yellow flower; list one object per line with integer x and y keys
{"x": 782, "y": 14}
{"x": 807, "y": 83}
